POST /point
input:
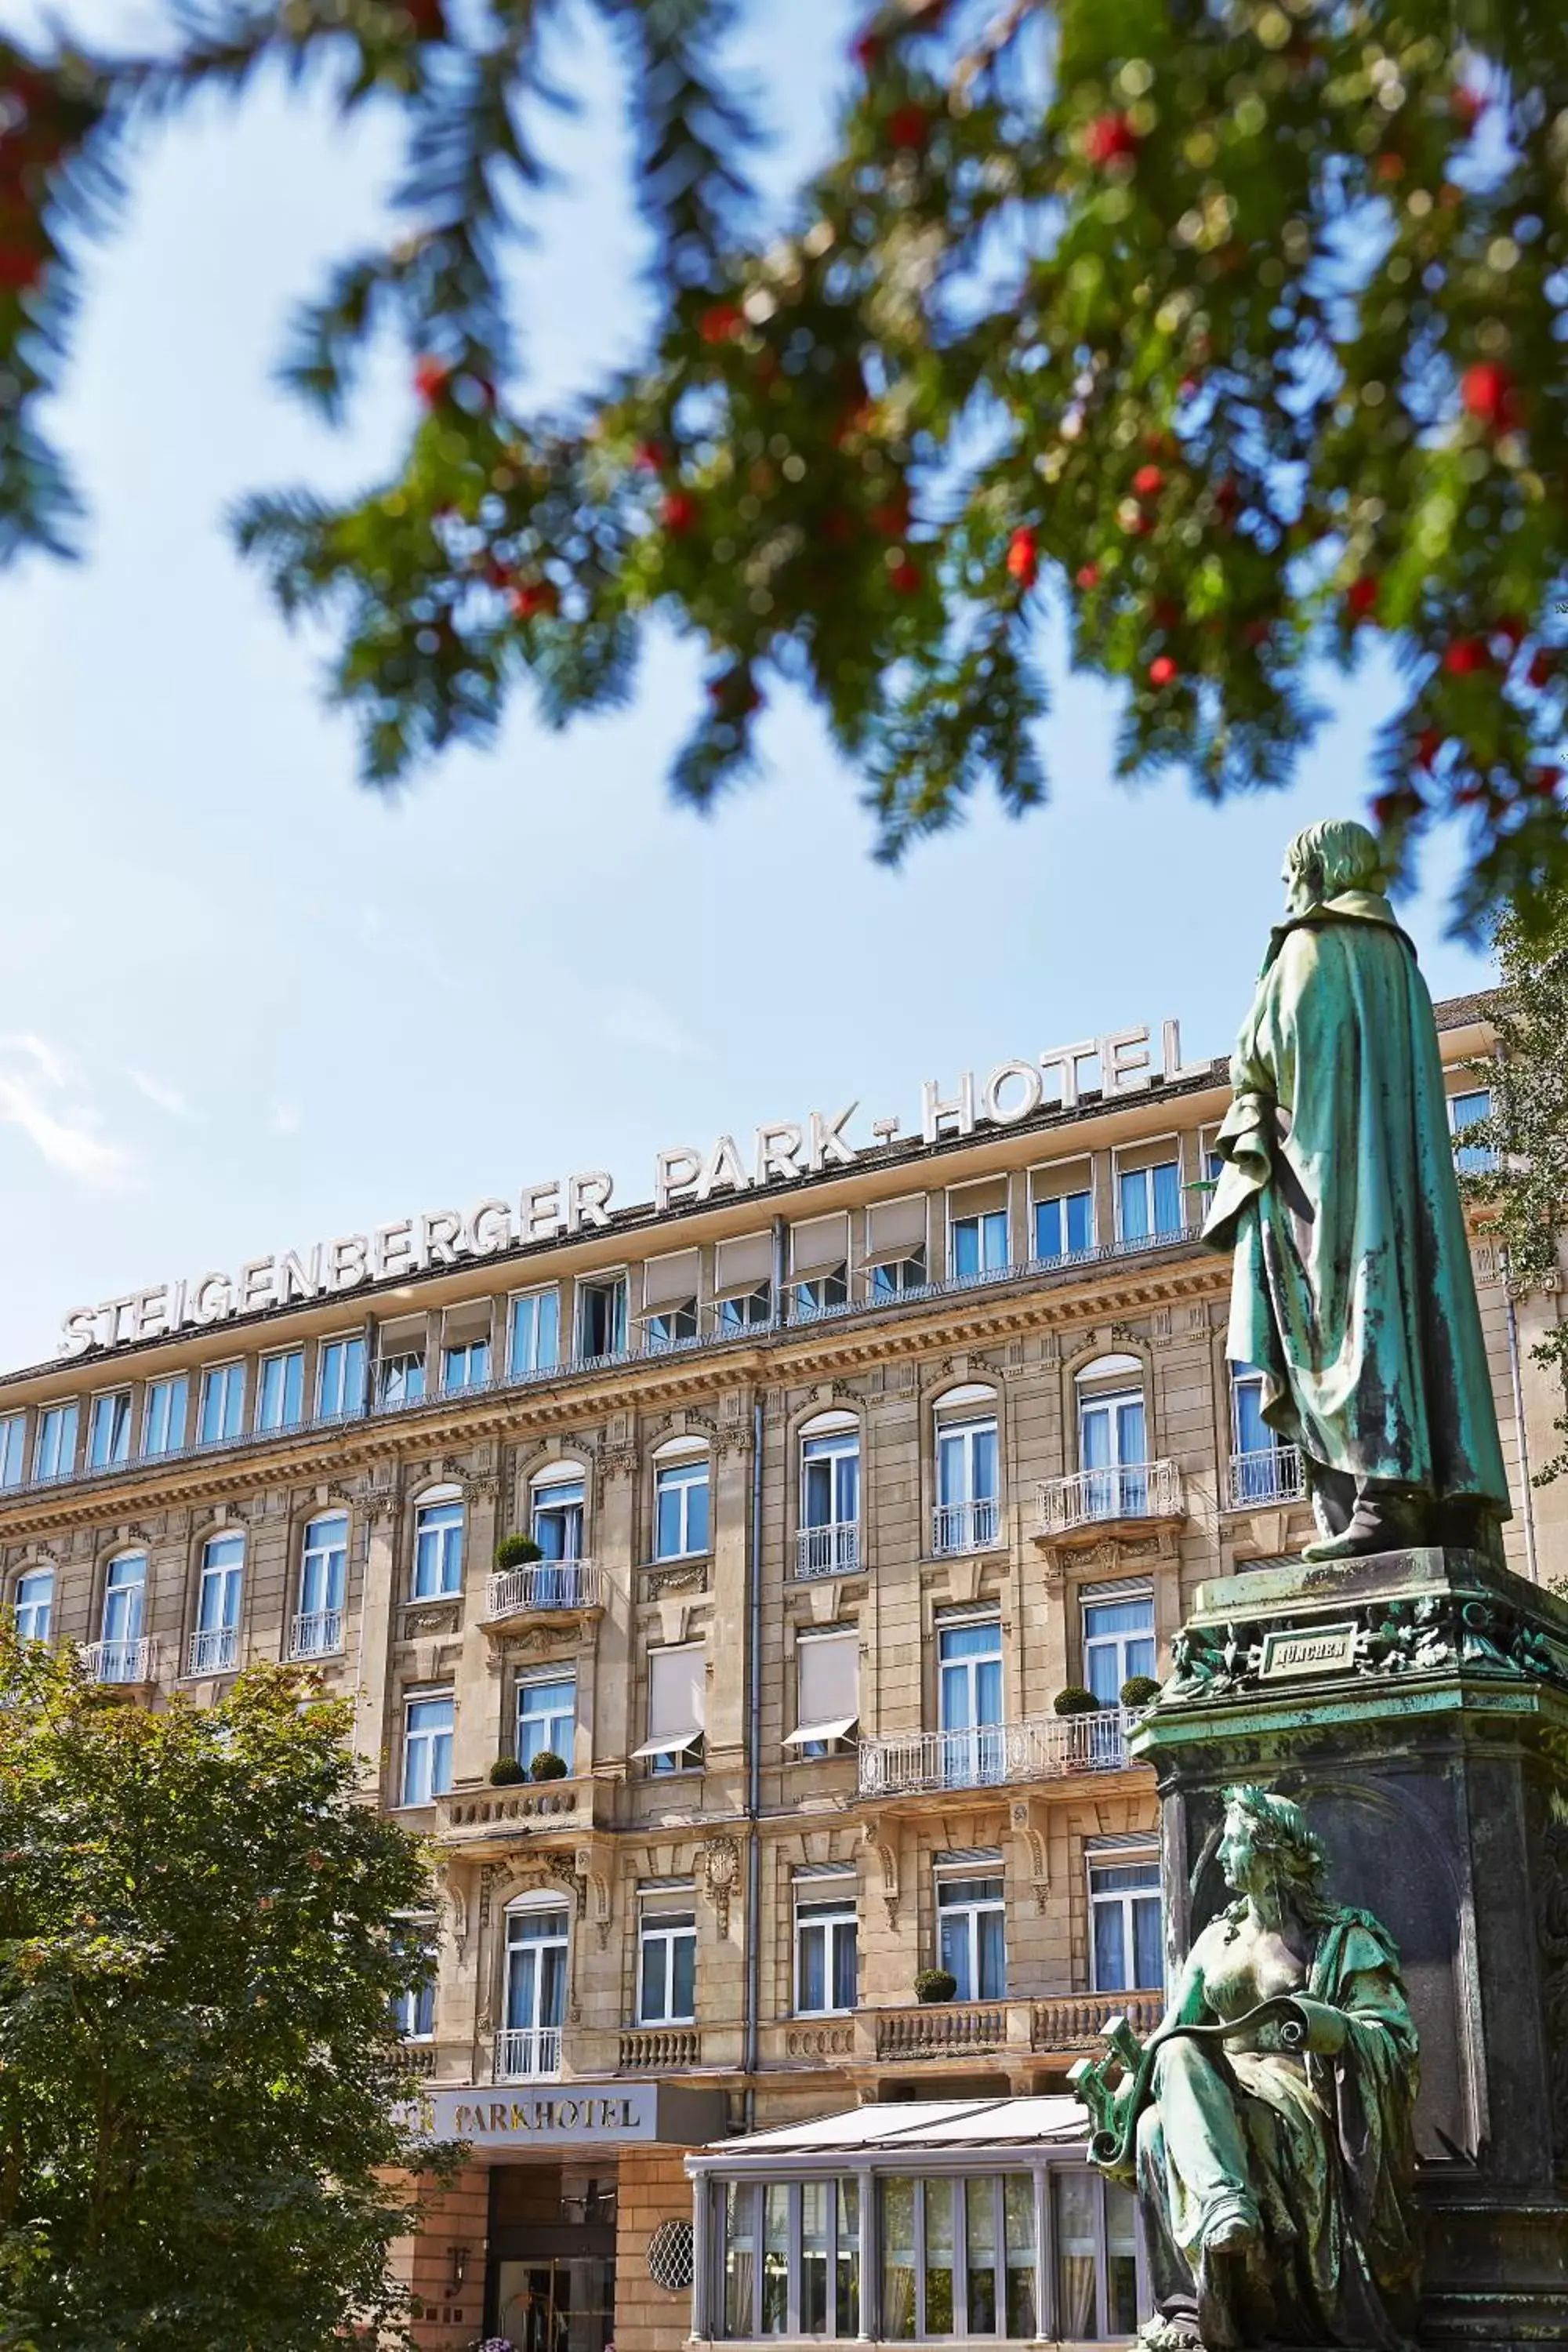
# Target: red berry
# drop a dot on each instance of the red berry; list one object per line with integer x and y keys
{"x": 1543, "y": 782}
{"x": 1256, "y": 633}
{"x": 1109, "y": 138}
{"x": 678, "y": 512}
{"x": 1397, "y": 807}
{"x": 1023, "y": 561}
{"x": 649, "y": 457}
{"x": 1539, "y": 672}
{"x": 1487, "y": 393}
{"x": 722, "y": 323}
{"x": 431, "y": 378}
{"x": 1361, "y": 597}
{"x": 908, "y": 127}
{"x": 1088, "y": 575}
{"x": 1467, "y": 106}
{"x": 533, "y": 597}
{"x": 1390, "y": 166}
{"x": 1465, "y": 656}
{"x": 1428, "y": 743}
{"x": 1226, "y": 496}
{"x": 1471, "y": 794}
{"x": 865, "y": 51}
{"x": 1148, "y": 481}
{"x": 1163, "y": 670}
{"x": 1512, "y": 631}
{"x": 892, "y": 518}
{"x": 904, "y": 577}
{"x": 429, "y": 18}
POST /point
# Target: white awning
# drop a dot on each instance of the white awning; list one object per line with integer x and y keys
{"x": 919, "y": 2123}
{"x": 812, "y": 1731}
{"x": 676, "y": 1692}
{"x": 828, "y": 1685}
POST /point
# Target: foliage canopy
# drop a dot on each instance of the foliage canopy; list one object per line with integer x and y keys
{"x": 1230, "y": 330}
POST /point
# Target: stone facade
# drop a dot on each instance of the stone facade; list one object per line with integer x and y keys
{"x": 917, "y": 1792}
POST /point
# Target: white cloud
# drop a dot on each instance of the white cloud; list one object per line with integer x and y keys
{"x": 158, "y": 1091}
{"x": 35, "y": 1090}
{"x": 631, "y": 1017}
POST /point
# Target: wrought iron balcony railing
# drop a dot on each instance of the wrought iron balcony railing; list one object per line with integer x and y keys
{"x": 1038, "y": 1748}
{"x": 544, "y": 1586}
{"x": 829, "y": 1551}
{"x": 1272, "y": 1474}
{"x": 1129, "y": 1490}
{"x": 213, "y": 1650}
{"x": 529, "y": 2053}
{"x": 965, "y": 1527}
{"x": 121, "y": 1662}
{"x": 317, "y": 1634}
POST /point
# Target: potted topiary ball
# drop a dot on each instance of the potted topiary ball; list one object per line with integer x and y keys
{"x": 547, "y": 1766}
{"x": 1140, "y": 1690}
{"x": 517, "y": 1551}
{"x": 1076, "y": 1700}
{"x": 506, "y": 1772}
{"x": 935, "y": 1984}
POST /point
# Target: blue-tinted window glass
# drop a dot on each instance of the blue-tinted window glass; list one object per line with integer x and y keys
{"x": 400, "y": 1381}
{"x": 339, "y": 1383}
{"x": 1464, "y": 1110}
{"x": 54, "y": 1455}
{"x": 547, "y": 1719}
{"x": 109, "y": 1431}
{"x": 437, "y": 1551}
{"x": 12, "y": 1449}
{"x": 466, "y": 1366}
{"x": 1118, "y": 1642}
{"x": 1133, "y": 1192}
{"x": 1064, "y": 1227}
{"x": 427, "y": 1751}
{"x": 680, "y": 1514}
{"x": 35, "y": 1605}
{"x": 280, "y": 1391}
{"x": 222, "y": 1413}
{"x": 1167, "y": 1183}
{"x": 164, "y": 1420}
{"x": 1253, "y": 1434}
{"x": 979, "y": 1244}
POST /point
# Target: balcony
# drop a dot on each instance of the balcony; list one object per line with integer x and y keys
{"x": 213, "y": 1652}
{"x": 317, "y": 1634}
{"x": 491, "y": 1822}
{"x": 529, "y": 2053}
{"x": 544, "y": 1587}
{"x": 1268, "y": 1477}
{"x": 831, "y": 1550}
{"x": 1049, "y": 2025}
{"x": 1039, "y": 1748}
{"x": 1131, "y": 1491}
{"x": 121, "y": 1662}
{"x": 660, "y": 2049}
{"x": 965, "y": 1527}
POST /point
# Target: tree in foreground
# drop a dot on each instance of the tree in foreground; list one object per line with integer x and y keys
{"x": 1232, "y": 330}
{"x": 199, "y": 2078}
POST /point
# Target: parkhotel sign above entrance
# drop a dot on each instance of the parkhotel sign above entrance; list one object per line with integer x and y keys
{"x": 1120, "y": 1063}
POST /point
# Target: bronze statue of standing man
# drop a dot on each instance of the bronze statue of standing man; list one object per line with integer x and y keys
{"x": 1352, "y": 1291}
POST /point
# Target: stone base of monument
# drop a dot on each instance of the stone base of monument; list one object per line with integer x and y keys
{"x": 1417, "y": 1703}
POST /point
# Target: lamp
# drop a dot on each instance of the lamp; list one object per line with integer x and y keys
{"x": 456, "y": 2268}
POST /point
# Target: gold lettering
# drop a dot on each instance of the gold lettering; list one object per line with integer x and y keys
{"x": 497, "y": 2114}
{"x": 518, "y": 2116}
{"x": 566, "y": 2113}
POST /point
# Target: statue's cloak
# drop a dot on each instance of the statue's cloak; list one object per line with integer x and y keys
{"x": 1351, "y": 1290}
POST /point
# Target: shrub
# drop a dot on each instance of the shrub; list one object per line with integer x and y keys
{"x": 1140, "y": 1690}
{"x": 517, "y": 1551}
{"x": 935, "y": 1984}
{"x": 548, "y": 1765}
{"x": 1076, "y": 1700}
{"x": 506, "y": 1772}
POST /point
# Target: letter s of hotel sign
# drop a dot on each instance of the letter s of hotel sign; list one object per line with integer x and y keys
{"x": 1119, "y": 1063}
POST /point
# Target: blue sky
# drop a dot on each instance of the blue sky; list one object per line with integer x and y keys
{"x": 248, "y": 1005}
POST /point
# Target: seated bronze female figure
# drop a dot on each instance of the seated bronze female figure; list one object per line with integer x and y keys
{"x": 1268, "y": 2123}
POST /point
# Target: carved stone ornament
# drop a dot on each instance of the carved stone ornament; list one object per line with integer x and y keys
{"x": 720, "y": 1876}
{"x": 439, "y": 1618}
{"x": 1431, "y": 1632}
{"x": 882, "y": 1837}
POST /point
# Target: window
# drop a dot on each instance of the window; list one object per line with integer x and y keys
{"x": 968, "y": 1512}
{"x": 602, "y": 1317}
{"x": 54, "y": 1452}
{"x": 163, "y": 1414}
{"x": 818, "y": 1266}
{"x": 217, "y": 1637}
{"x": 340, "y": 1379}
{"x": 414, "y": 2009}
{"x": 969, "y": 1700}
{"x": 323, "y": 1576}
{"x": 896, "y": 1245}
{"x": 1118, "y": 1641}
{"x": 35, "y": 1605}
{"x": 743, "y": 1311}
{"x": 557, "y": 1515}
{"x": 677, "y": 1695}
{"x": 668, "y": 1327}
{"x": 829, "y": 1536}
{"x": 828, "y": 1690}
{"x": 1064, "y": 1227}
{"x": 124, "y": 1594}
{"x": 1251, "y": 1431}
{"x": 400, "y": 1379}
{"x": 536, "y": 1954}
{"x": 465, "y": 1366}
{"x": 742, "y": 1282}
{"x": 280, "y": 1390}
{"x": 666, "y": 1968}
{"x": 972, "y": 1930}
{"x": 533, "y": 1342}
{"x": 808, "y": 2280}
{"x": 978, "y": 1244}
{"x": 427, "y": 1748}
{"x": 12, "y": 1449}
{"x": 222, "y": 1412}
{"x": 824, "y": 1946}
{"x": 680, "y": 1500}
{"x": 438, "y": 1545}
{"x": 109, "y": 1430}
{"x": 547, "y": 1719}
{"x": 1113, "y": 1449}
{"x": 1149, "y": 1200}
{"x": 1466, "y": 1110}
{"x": 1096, "y": 2257}
{"x": 957, "y": 2253}
{"x": 895, "y": 1276}
{"x": 1124, "y": 1909}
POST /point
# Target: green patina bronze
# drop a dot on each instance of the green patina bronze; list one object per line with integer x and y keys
{"x": 1268, "y": 2123}
{"x": 1352, "y": 1289}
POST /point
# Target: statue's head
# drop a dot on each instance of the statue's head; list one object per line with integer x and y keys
{"x": 1338, "y": 854}
{"x": 1266, "y": 1837}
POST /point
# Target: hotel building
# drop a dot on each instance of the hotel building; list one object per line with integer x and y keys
{"x": 839, "y": 1480}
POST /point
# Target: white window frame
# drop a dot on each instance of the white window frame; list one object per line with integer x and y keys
{"x": 960, "y": 1421}
{"x": 318, "y": 1629}
{"x": 344, "y": 1406}
{"x": 1472, "y": 1160}
{"x": 1068, "y": 1254}
{"x": 535, "y": 2043}
{"x": 416, "y": 1740}
{"x": 393, "y": 1371}
{"x": 1146, "y": 1173}
{"x": 683, "y": 1475}
{"x": 159, "y": 1414}
{"x": 27, "y": 1608}
{"x": 841, "y": 1890}
{"x": 447, "y": 1536}
{"x": 1092, "y": 1596}
{"x": 135, "y": 1615}
{"x": 667, "y": 1928}
{"x": 64, "y": 1421}
{"x": 214, "y": 1376}
{"x": 615, "y": 1278}
{"x": 220, "y": 1595}
{"x": 272, "y": 1412}
{"x": 533, "y": 1301}
{"x": 12, "y": 1449}
{"x": 1122, "y": 1899}
{"x": 986, "y": 1222}
{"x": 117, "y": 1401}
{"x": 553, "y": 1480}
{"x": 418, "y": 1930}
{"x": 468, "y": 1350}
{"x": 548, "y": 1678}
{"x": 973, "y": 1754}
{"x": 970, "y": 1910}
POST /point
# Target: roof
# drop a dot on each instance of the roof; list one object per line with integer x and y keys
{"x": 898, "y": 2127}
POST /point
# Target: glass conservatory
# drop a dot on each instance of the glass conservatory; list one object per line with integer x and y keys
{"x": 949, "y": 2221}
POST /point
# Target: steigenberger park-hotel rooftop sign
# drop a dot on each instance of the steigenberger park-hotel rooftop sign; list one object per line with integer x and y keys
{"x": 1121, "y": 1063}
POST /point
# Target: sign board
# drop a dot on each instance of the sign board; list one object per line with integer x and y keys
{"x": 1315, "y": 1650}
{"x": 555, "y": 2115}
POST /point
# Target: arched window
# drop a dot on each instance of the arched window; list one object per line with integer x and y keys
{"x": 438, "y": 1543}
{"x": 1113, "y": 1438}
{"x": 968, "y": 1511}
{"x": 557, "y": 1502}
{"x": 538, "y": 1944}
{"x": 828, "y": 1540}
{"x": 120, "y": 1650}
{"x": 323, "y": 1579}
{"x": 35, "y": 1603}
{"x": 216, "y": 1636}
{"x": 682, "y": 1498}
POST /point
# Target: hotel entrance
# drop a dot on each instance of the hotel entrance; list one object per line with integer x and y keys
{"x": 551, "y": 2282}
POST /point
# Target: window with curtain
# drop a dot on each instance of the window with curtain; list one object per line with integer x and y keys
{"x": 54, "y": 1448}
{"x": 1128, "y": 1940}
{"x": 533, "y": 1339}
{"x": 216, "y": 1636}
{"x": 12, "y": 1449}
{"x": 323, "y": 1577}
{"x": 438, "y": 1546}
{"x": 1149, "y": 1201}
{"x": 109, "y": 1430}
{"x": 827, "y": 1691}
{"x": 547, "y": 1718}
{"x": 280, "y": 1389}
{"x": 667, "y": 1966}
{"x": 681, "y": 1505}
{"x": 972, "y": 1935}
{"x": 221, "y": 1414}
{"x": 1064, "y": 1227}
{"x": 340, "y": 1379}
{"x": 1118, "y": 1641}
{"x": 1467, "y": 1110}
{"x": 164, "y": 1415}
{"x": 33, "y": 1604}
{"x": 969, "y": 1700}
{"x": 1113, "y": 1453}
{"x": 428, "y": 1747}
{"x": 676, "y": 1697}
{"x": 826, "y": 1937}
{"x": 558, "y": 1499}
